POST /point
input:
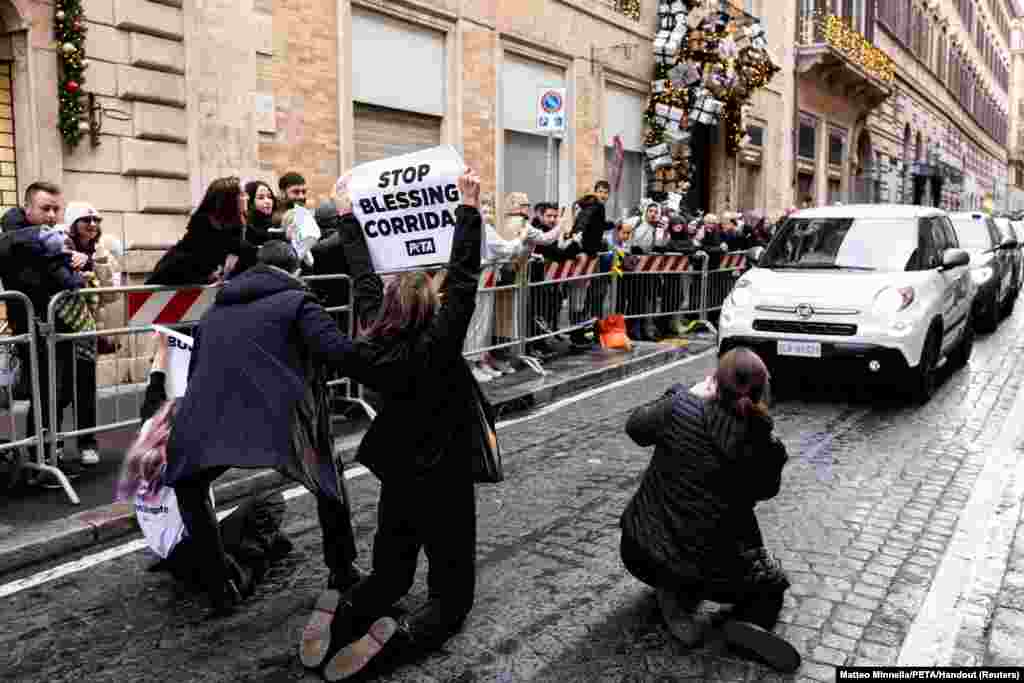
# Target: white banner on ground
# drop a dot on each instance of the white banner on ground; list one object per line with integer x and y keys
{"x": 179, "y": 354}
{"x": 406, "y": 205}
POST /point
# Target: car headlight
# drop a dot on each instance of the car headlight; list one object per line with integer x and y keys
{"x": 982, "y": 275}
{"x": 742, "y": 294}
{"x": 893, "y": 300}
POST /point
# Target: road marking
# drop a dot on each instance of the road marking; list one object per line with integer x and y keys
{"x": 976, "y": 542}
{"x": 351, "y": 473}
{"x": 550, "y": 408}
{"x": 128, "y": 548}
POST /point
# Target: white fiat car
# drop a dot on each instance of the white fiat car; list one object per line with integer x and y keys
{"x": 884, "y": 288}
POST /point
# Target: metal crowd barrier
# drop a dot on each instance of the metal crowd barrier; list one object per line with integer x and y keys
{"x": 720, "y": 278}
{"x": 523, "y": 301}
{"x": 24, "y": 450}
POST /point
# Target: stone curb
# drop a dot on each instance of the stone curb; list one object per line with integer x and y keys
{"x": 103, "y": 524}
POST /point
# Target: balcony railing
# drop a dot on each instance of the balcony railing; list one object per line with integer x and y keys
{"x": 836, "y": 32}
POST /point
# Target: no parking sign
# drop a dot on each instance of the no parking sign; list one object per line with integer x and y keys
{"x": 551, "y": 110}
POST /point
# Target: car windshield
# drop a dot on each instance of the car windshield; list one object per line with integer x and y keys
{"x": 885, "y": 244}
{"x": 972, "y": 232}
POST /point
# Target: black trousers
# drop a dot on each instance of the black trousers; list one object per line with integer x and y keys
{"x": 76, "y": 381}
{"x": 247, "y": 535}
{"x": 437, "y": 515}
{"x": 201, "y": 522}
{"x": 758, "y": 604}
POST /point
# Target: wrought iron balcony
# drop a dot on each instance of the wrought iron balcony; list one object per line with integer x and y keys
{"x": 828, "y": 47}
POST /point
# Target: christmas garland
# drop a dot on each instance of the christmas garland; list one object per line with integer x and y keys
{"x": 708, "y": 63}
{"x": 69, "y": 32}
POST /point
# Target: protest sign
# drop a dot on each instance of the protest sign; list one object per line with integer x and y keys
{"x": 406, "y": 205}
{"x": 179, "y": 354}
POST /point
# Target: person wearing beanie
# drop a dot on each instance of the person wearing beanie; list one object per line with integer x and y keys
{"x": 82, "y": 234}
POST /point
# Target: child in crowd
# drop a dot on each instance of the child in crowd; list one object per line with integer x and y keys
{"x": 252, "y": 533}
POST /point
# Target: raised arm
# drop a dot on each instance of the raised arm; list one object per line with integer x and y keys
{"x": 458, "y": 293}
{"x": 647, "y": 423}
{"x": 367, "y": 288}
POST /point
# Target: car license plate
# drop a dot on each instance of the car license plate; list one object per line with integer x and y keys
{"x": 799, "y": 348}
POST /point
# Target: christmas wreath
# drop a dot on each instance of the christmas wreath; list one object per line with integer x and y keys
{"x": 69, "y": 32}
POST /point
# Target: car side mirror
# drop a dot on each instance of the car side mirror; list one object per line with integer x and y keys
{"x": 1008, "y": 243}
{"x": 754, "y": 254}
{"x": 954, "y": 258}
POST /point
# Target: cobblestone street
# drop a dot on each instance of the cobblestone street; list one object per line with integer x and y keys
{"x": 870, "y": 518}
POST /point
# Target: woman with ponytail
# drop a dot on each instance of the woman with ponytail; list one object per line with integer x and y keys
{"x": 690, "y": 530}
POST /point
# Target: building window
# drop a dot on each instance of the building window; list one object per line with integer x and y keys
{"x": 836, "y": 147}
{"x": 756, "y": 134}
{"x": 806, "y": 144}
{"x": 8, "y": 163}
{"x": 834, "y": 193}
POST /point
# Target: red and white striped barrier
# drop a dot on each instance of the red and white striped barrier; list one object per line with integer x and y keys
{"x": 663, "y": 263}
{"x": 562, "y": 270}
{"x": 169, "y": 307}
{"x": 736, "y": 260}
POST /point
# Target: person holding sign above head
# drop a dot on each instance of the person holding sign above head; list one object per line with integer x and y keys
{"x": 421, "y": 446}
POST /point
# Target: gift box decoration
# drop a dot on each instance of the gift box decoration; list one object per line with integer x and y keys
{"x": 707, "y": 109}
{"x": 727, "y": 49}
{"x": 656, "y": 151}
{"x": 677, "y": 133}
{"x": 667, "y": 22}
{"x": 679, "y": 7}
{"x": 660, "y": 162}
{"x": 659, "y": 86}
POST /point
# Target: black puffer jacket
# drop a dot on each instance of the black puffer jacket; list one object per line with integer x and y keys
{"x": 694, "y": 510}
{"x": 198, "y": 255}
{"x": 590, "y": 222}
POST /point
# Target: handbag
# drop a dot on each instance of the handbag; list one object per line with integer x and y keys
{"x": 486, "y": 459}
{"x": 611, "y": 331}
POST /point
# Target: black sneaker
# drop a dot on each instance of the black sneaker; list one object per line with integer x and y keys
{"x": 754, "y": 642}
{"x": 343, "y": 579}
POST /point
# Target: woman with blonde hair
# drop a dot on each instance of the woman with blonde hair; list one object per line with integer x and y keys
{"x": 421, "y": 447}
{"x": 690, "y": 530}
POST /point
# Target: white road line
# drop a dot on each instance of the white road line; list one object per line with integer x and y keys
{"x": 351, "y": 473}
{"x": 550, "y": 408}
{"x": 976, "y": 539}
{"x": 128, "y": 548}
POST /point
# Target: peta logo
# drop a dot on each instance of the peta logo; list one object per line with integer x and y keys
{"x": 421, "y": 247}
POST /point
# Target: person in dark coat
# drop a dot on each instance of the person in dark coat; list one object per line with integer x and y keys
{"x": 590, "y": 225}
{"x": 212, "y": 248}
{"x": 420, "y": 447}
{"x": 329, "y": 255}
{"x": 260, "y": 227}
{"x": 255, "y": 399}
{"x": 690, "y": 530}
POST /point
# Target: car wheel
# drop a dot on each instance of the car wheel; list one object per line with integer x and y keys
{"x": 962, "y": 355}
{"x": 924, "y": 378}
{"x": 990, "y": 320}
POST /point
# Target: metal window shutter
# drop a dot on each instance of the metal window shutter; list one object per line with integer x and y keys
{"x": 381, "y": 133}
{"x": 525, "y": 164}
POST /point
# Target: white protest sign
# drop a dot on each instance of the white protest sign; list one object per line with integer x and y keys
{"x": 179, "y": 354}
{"x": 406, "y": 205}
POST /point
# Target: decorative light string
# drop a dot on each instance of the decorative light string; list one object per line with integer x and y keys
{"x": 69, "y": 34}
